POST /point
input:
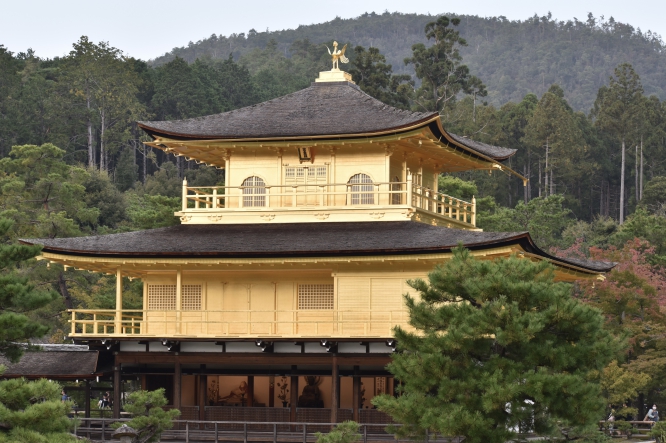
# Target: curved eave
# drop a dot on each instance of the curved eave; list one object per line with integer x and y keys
{"x": 522, "y": 240}
{"x": 432, "y": 124}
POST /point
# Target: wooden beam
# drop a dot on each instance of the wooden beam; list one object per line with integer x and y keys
{"x": 253, "y": 359}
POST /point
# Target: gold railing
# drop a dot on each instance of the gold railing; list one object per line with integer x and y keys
{"x": 327, "y": 196}
{"x": 269, "y": 323}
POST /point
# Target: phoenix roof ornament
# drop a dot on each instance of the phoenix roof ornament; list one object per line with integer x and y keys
{"x": 337, "y": 54}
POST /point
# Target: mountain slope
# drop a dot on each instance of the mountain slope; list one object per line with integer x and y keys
{"x": 511, "y": 57}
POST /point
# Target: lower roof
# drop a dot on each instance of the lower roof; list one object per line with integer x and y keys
{"x": 54, "y": 364}
{"x": 296, "y": 240}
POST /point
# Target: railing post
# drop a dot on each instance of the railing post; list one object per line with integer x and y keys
{"x": 184, "y": 194}
{"x": 474, "y": 211}
{"x": 365, "y": 433}
{"x": 245, "y": 432}
{"x": 376, "y": 194}
{"x": 214, "y": 198}
{"x": 187, "y": 432}
{"x": 74, "y": 323}
{"x": 268, "y": 196}
{"x": 217, "y": 439}
{"x": 409, "y": 190}
{"x": 293, "y": 196}
{"x": 450, "y": 207}
{"x": 274, "y": 432}
{"x": 305, "y": 433}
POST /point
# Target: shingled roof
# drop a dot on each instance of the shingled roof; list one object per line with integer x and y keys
{"x": 58, "y": 364}
{"x": 295, "y": 240}
{"x": 323, "y": 109}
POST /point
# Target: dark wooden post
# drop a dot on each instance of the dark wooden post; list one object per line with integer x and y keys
{"x": 203, "y": 396}
{"x": 250, "y": 390}
{"x": 87, "y": 403}
{"x": 116, "y": 390}
{"x": 271, "y": 391}
{"x": 294, "y": 394}
{"x": 335, "y": 390}
{"x": 176, "y": 384}
{"x": 356, "y": 395}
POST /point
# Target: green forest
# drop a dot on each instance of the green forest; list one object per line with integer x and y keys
{"x": 582, "y": 102}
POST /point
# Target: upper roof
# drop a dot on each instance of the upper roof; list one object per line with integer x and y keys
{"x": 331, "y": 109}
{"x": 302, "y": 240}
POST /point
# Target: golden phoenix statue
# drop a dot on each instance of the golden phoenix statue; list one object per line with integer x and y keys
{"x": 337, "y": 54}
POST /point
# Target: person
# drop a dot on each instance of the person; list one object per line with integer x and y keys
{"x": 652, "y": 415}
{"x": 64, "y": 397}
{"x": 105, "y": 400}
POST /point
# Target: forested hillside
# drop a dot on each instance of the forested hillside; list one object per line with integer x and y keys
{"x": 512, "y": 57}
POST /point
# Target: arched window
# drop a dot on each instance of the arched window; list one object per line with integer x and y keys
{"x": 361, "y": 190}
{"x": 254, "y": 191}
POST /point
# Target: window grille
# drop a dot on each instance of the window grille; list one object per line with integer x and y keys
{"x": 162, "y": 297}
{"x": 254, "y": 192}
{"x": 361, "y": 190}
{"x": 191, "y": 297}
{"x": 316, "y": 296}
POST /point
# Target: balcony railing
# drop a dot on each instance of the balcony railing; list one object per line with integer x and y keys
{"x": 209, "y": 200}
{"x": 269, "y": 323}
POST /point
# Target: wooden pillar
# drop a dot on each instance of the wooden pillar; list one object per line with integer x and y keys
{"x": 250, "y": 390}
{"x": 356, "y": 395}
{"x": 203, "y": 396}
{"x": 177, "y": 386}
{"x": 119, "y": 302}
{"x": 335, "y": 390}
{"x": 271, "y": 391}
{"x": 294, "y": 395}
{"x": 87, "y": 401}
{"x": 116, "y": 390}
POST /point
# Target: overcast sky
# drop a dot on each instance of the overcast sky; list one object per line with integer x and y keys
{"x": 148, "y": 28}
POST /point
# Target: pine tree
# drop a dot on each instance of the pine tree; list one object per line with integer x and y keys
{"x": 32, "y": 412}
{"x": 17, "y": 298}
{"x": 497, "y": 348}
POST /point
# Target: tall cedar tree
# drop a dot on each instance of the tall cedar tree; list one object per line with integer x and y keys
{"x": 439, "y": 66}
{"x": 17, "y": 298}
{"x": 498, "y": 347}
{"x": 617, "y": 110}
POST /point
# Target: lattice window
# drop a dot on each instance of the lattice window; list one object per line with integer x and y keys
{"x": 316, "y": 296}
{"x": 162, "y": 297}
{"x": 361, "y": 191}
{"x": 191, "y": 297}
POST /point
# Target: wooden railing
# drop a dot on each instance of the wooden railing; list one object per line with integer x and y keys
{"x": 327, "y": 196}
{"x": 241, "y": 323}
{"x": 244, "y": 431}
